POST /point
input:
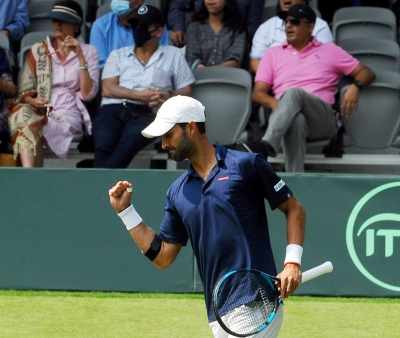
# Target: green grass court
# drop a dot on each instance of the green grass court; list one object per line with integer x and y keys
{"x": 95, "y": 315}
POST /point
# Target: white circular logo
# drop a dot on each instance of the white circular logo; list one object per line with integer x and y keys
{"x": 143, "y": 10}
{"x": 373, "y": 236}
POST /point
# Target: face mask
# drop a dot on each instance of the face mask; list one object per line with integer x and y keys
{"x": 141, "y": 35}
{"x": 120, "y": 7}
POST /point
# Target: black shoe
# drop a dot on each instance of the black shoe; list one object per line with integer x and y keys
{"x": 86, "y": 163}
{"x": 261, "y": 147}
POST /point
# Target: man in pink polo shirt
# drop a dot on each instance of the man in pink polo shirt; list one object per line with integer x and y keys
{"x": 303, "y": 75}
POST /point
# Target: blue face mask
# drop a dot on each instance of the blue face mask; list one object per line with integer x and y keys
{"x": 120, "y": 7}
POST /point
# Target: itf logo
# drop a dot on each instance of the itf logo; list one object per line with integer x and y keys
{"x": 373, "y": 236}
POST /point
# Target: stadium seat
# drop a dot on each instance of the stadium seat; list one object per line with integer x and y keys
{"x": 27, "y": 41}
{"x": 371, "y": 22}
{"x": 226, "y": 94}
{"x": 374, "y": 125}
{"x": 375, "y": 53}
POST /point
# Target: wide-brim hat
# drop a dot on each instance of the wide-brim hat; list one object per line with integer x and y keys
{"x": 64, "y": 13}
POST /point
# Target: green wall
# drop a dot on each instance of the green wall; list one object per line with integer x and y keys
{"x": 57, "y": 231}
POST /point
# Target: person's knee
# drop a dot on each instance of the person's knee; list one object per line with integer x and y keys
{"x": 294, "y": 94}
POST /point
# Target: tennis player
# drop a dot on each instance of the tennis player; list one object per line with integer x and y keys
{"x": 218, "y": 204}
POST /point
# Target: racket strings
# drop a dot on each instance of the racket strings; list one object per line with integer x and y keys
{"x": 246, "y": 303}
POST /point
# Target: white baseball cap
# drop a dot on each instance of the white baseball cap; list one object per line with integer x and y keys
{"x": 177, "y": 109}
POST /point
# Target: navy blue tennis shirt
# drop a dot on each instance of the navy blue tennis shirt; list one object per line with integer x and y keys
{"x": 224, "y": 217}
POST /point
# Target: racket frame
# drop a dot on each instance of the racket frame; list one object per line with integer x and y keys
{"x": 268, "y": 281}
{"x": 307, "y": 275}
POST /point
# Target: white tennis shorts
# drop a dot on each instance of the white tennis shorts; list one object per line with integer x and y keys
{"x": 272, "y": 330}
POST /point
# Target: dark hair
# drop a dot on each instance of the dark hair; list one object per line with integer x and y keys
{"x": 278, "y": 5}
{"x": 76, "y": 7}
{"x": 201, "y": 126}
{"x": 231, "y": 17}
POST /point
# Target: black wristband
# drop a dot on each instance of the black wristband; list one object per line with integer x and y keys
{"x": 358, "y": 84}
{"x": 155, "y": 248}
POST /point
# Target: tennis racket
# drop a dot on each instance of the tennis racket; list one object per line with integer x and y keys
{"x": 246, "y": 301}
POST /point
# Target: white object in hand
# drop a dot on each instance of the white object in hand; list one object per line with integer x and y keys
{"x": 319, "y": 270}
{"x": 129, "y": 189}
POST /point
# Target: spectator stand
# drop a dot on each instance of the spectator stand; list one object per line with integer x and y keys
{"x": 371, "y": 22}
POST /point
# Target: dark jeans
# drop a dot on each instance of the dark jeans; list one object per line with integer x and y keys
{"x": 117, "y": 134}
{"x": 4, "y": 132}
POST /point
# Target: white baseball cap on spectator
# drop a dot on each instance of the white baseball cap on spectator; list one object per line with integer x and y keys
{"x": 177, "y": 109}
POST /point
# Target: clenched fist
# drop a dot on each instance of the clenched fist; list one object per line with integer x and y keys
{"x": 120, "y": 195}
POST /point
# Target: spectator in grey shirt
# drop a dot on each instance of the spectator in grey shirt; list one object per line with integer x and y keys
{"x": 216, "y": 35}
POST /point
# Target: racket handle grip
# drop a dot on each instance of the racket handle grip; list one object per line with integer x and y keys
{"x": 317, "y": 271}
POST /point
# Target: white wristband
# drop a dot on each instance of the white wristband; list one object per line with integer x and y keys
{"x": 130, "y": 217}
{"x": 293, "y": 254}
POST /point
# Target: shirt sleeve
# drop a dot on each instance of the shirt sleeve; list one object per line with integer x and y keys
{"x": 237, "y": 49}
{"x": 94, "y": 73}
{"x": 265, "y": 71}
{"x": 111, "y": 68}
{"x": 323, "y": 33}
{"x": 97, "y": 39}
{"x": 260, "y": 41}
{"x": 172, "y": 229}
{"x": 343, "y": 61}
{"x": 183, "y": 75}
{"x": 193, "y": 51}
{"x": 275, "y": 190}
{"x": 20, "y": 22}
{"x": 176, "y": 15}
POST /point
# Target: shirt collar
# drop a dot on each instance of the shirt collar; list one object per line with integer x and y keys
{"x": 313, "y": 43}
{"x": 220, "y": 154}
{"x": 156, "y": 55}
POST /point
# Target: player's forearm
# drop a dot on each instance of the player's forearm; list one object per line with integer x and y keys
{"x": 296, "y": 218}
{"x": 143, "y": 236}
{"x": 296, "y": 226}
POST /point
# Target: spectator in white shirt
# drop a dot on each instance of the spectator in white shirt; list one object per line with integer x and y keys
{"x": 136, "y": 80}
{"x": 272, "y": 33}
